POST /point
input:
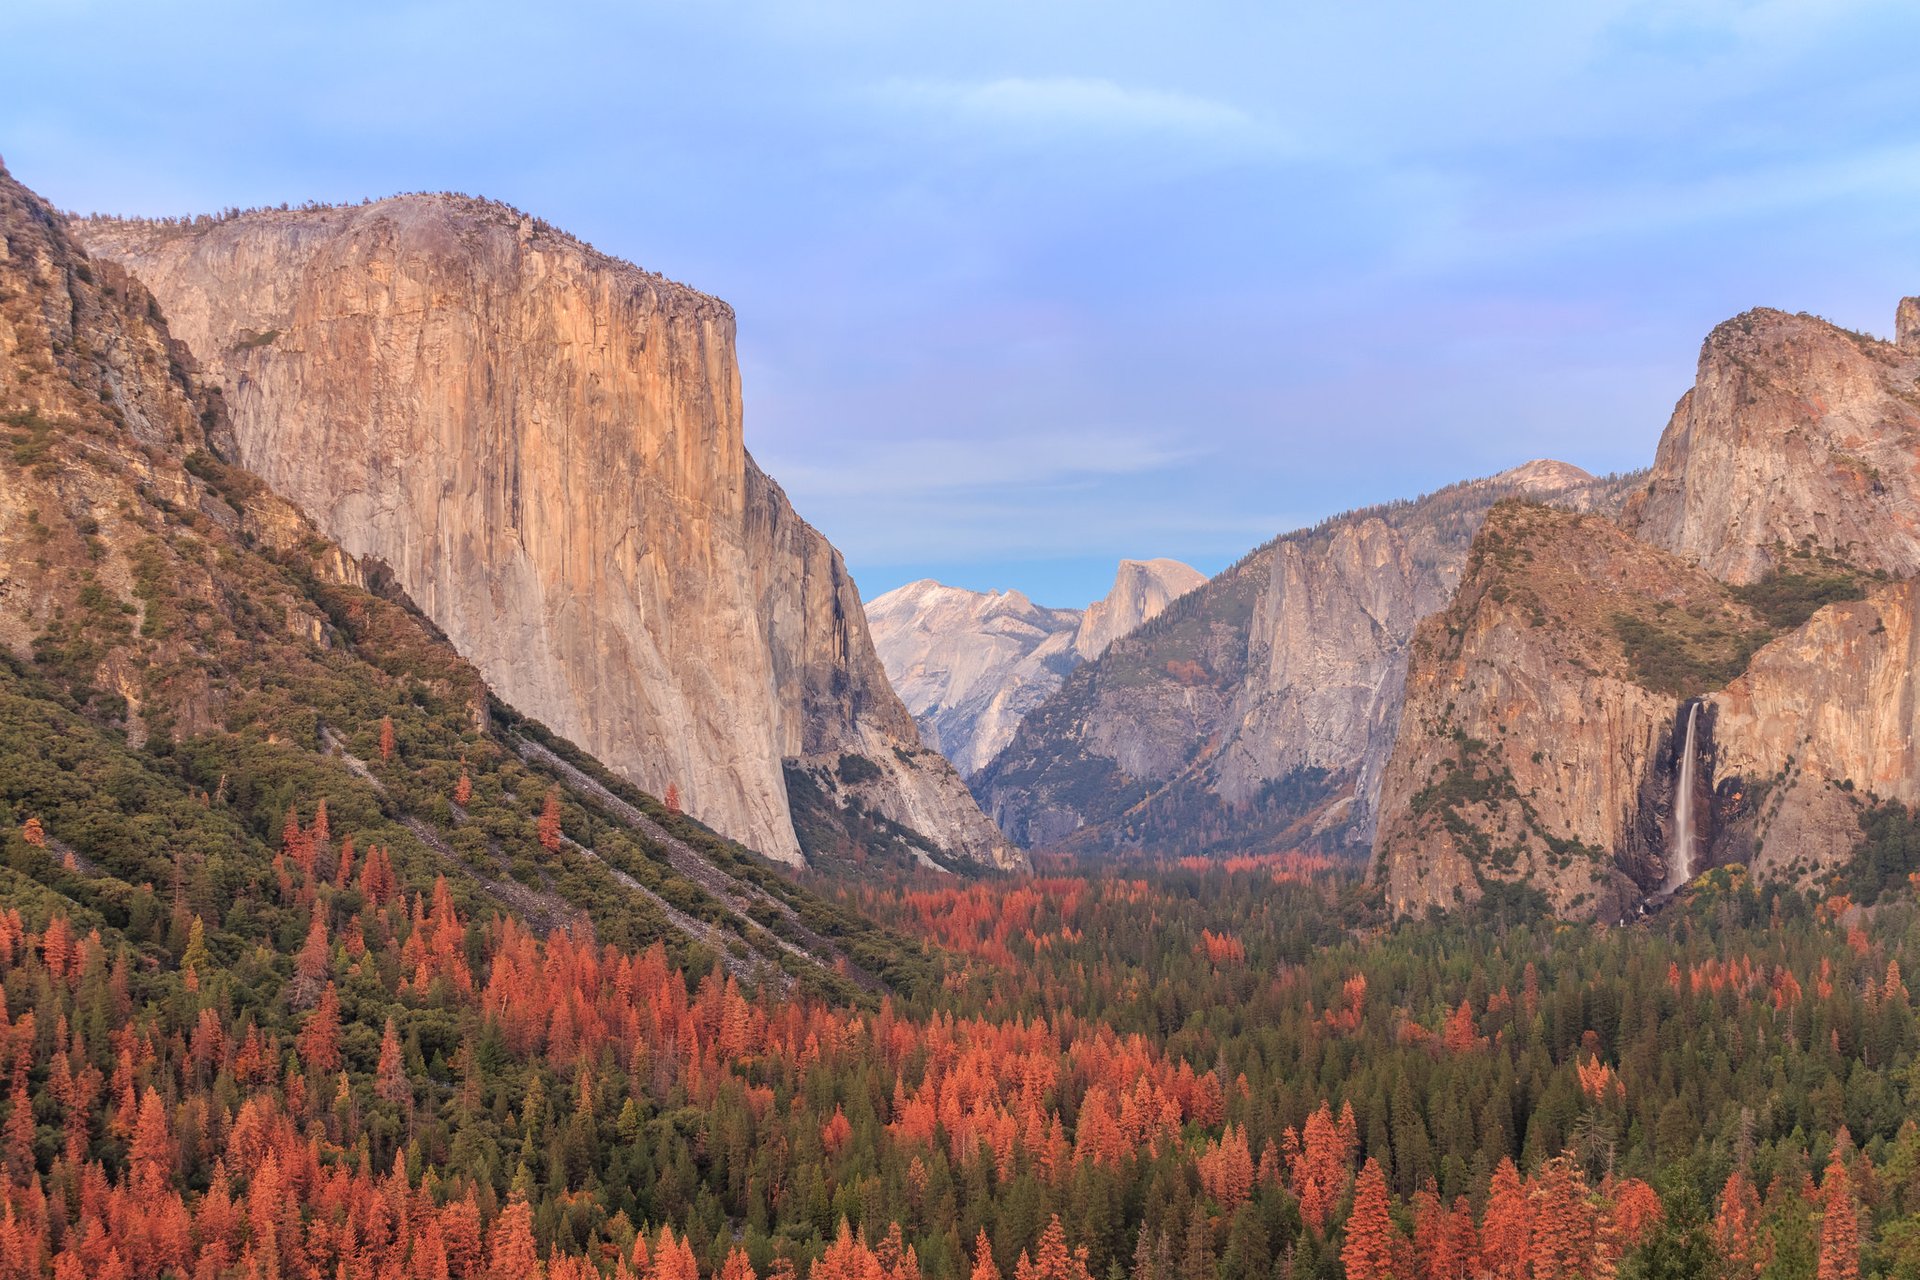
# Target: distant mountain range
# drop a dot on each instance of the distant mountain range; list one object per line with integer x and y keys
{"x": 971, "y": 664}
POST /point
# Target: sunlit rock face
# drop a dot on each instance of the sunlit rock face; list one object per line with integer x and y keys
{"x": 971, "y": 664}
{"x": 545, "y": 445}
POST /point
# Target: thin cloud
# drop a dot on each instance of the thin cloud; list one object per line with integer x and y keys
{"x": 933, "y": 467}
{"x": 1076, "y": 105}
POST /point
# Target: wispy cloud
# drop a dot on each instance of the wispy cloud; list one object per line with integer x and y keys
{"x": 927, "y": 467}
{"x": 1053, "y": 107}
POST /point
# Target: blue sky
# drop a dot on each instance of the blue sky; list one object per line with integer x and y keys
{"x": 1027, "y": 287}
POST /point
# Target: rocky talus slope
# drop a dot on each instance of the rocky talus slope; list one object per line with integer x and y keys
{"x": 1764, "y": 572}
{"x": 971, "y": 664}
{"x": 544, "y": 444}
{"x": 1258, "y": 710}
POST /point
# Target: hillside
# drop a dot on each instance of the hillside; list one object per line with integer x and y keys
{"x": 1762, "y": 575}
{"x": 1256, "y": 712}
{"x": 191, "y": 671}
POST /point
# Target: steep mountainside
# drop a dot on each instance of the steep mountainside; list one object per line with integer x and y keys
{"x": 1796, "y": 434}
{"x": 1259, "y": 709}
{"x": 1141, "y": 590}
{"x": 1539, "y": 720}
{"x": 971, "y": 664}
{"x": 544, "y": 444}
{"x": 1822, "y": 719}
{"x": 192, "y": 676}
{"x": 1762, "y": 576}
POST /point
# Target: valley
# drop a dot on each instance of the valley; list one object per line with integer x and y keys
{"x": 459, "y": 822}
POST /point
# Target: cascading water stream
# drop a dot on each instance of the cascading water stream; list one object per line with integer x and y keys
{"x": 1680, "y": 854}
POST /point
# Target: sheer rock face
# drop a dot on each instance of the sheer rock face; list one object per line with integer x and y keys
{"x": 1141, "y": 589}
{"x": 1530, "y": 748}
{"x": 545, "y": 446}
{"x": 1795, "y": 433}
{"x": 1539, "y": 742}
{"x": 971, "y": 664}
{"x": 1259, "y": 710}
{"x": 1821, "y": 717}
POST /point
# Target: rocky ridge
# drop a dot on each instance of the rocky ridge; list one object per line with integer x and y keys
{"x": 1258, "y": 710}
{"x": 186, "y": 660}
{"x": 971, "y": 664}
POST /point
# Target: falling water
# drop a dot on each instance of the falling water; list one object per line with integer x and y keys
{"x": 1680, "y": 855}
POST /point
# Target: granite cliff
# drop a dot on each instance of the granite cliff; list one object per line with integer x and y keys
{"x": 1797, "y": 434}
{"x": 1258, "y": 710}
{"x": 1538, "y": 726}
{"x": 544, "y": 445}
{"x": 191, "y": 673}
{"x": 971, "y": 664}
{"x": 1763, "y": 575}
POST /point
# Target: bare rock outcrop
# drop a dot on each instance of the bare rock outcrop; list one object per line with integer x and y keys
{"x": 545, "y": 445}
{"x": 1822, "y": 719}
{"x": 1141, "y": 589}
{"x": 1796, "y": 436}
{"x": 970, "y": 665}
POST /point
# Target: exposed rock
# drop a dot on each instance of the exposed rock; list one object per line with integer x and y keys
{"x": 1796, "y": 435}
{"x": 131, "y": 565}
{"x": 545, "y": 446}
{"x": 1259, "y": 709}
{"x": 1141, "y": 589}
{"x": 1537, "y": 741}
{"x": 1822, "y": 718}
{"x": 971, "y": 664}
{"x": 1778, "y": 535}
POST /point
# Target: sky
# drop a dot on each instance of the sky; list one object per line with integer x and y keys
{"x": 1027, "y": 287}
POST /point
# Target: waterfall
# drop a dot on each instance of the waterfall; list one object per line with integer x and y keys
{"x": 1680, "y": 852}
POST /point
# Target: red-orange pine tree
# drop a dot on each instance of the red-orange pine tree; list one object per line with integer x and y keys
{"x": 549, "y": 828}
{"x": 1368, "y": 1252}
{"x": 1734, "y": 1226}
{"x": 1839, "y": 1224}
{"x": 1506, "y": 1229}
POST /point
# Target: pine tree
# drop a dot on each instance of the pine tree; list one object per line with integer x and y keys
{"x": 549, "y": 828}
{"x": 386, "y": 738}
{"x": 463, "y": 790}
{"x": 319, "y": 1040}
{"x": 1563, "y": 1222}
{"x": 510, "y": 1249}
{"x": 1368, "y": 1252}
{"x": 1734, "y": 1225}
{"x": 311, "y": 966}
{"x": 1506, "y": 1226}
{"x": 1839, "y": 1224}
{"x": 390, "y": 1075}
{"x": 983, "y": 1264}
